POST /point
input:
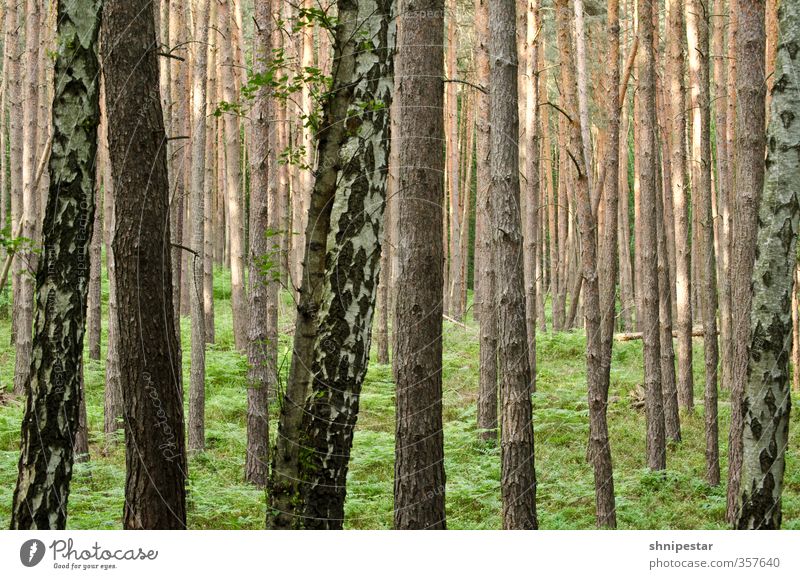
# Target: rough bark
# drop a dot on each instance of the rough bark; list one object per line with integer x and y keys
{"x": 517, "y": 474}
{"x": 680, "y": 200}
{"x": 697, "y": 19}
{"x": 148, "y": 348}
{"x": 233, "y": 179}
{"x": 30, "y": 210}
{"x": 419, "y": 480}
{"x": 599, "y": 444}
{"x": 341, "y": 350}
{"x": 487, "y": 379}
{"x": 262, "y": 349}
{"x": 648, "y": 246}
{"x": 750, "y": 147}
{"x": 54, "y": 384}
{"x": 767, "y": 399}
{"x": 94, "y": 307}
{"x": 197, "y": 196}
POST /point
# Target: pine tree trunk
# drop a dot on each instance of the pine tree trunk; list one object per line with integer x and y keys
{"x": 112, "y": 403}
{"x": 680, "y": 200}
{"x": 750, "y": 146}
{"x": 455, "y": 268}
{"x": 233, "y": 179}
{"x": 15, "y": 137}
{"x": 767, "y": 400}
{"x": 210, "y": 192}
{"x": 262, "y": 351}
{"x": 94, "y": 307}
{"x": 697, "y": 19}
{"x": 197, "y": 195}
{"x": 419, "y": 477}
{"x": 54, "y": 385}
{"x": 517, "y": 474}
{"x": 149, "y": 367}
{"x": 648, "y": 244}
{"x": 31, "y": 216}
{"x": 487, "y": 379}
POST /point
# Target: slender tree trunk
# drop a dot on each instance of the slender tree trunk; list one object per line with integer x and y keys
{"x": 210, "y": 192}
{"x": 112, "y": 402}
{"x": 233, "y": 180}
{"x": 262, "y": 351}
{"x": 148, "y": 361}
{"x": 54, "y": 384}
{"x": 599, "y": 444}
{"x": 197, "y": 196}
{"x": 648, "y": 245}
{"x": 697, "y": 18}
{"x": 767, "y": 400}
{"x": 750, "y": 146}
{"x": 31, "y": 217}
{"x": 455, "y": 277}
{"x": 487, "y": 379}
{"x": 15, "y": 137}
{"x": 94, "y": 307}
{"x": 517, "y": 475}
{"x": 680, "y": 200}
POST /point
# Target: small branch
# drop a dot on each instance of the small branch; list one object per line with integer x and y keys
{"x": 466, "y": 82}
{"x": 456, "y": 322}
{"x": 170, "y": 55}
{"x": 558, "y": 108}
{"x": 183, "y": 247}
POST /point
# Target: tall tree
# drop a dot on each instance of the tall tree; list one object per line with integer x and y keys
{"x": 648, "y": 252}
{"x": 54, "y": 384}
{"x": 697, "y": 19}
{"x": 767, "y": 400}
{"x": 517, "y": 475}
{"x": 262, "y": 350}
{"x": 233, "y": 176}
{"x": 197, "y": 197}
{"x": 607, "y": 286}
{"x": 750, "y": 146}
{"x": 30, "y": 214}
{"x": 419, "y": 478}
{"x": 341, "y": 350}
{"x": 680, "y": 198}
{"x": 149, "y": 367}
{"x": 487, "y": 379}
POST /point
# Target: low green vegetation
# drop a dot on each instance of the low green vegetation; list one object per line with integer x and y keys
{"x": 220, "y": 499}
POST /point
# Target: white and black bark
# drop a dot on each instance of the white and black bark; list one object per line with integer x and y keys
{"x": 766, "y": 398}
{"x": 54, "y": 384}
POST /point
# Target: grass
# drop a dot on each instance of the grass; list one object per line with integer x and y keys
{"x": 220, "y": 499}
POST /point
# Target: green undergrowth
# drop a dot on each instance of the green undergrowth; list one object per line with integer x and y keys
{"x": 220, "y": 499}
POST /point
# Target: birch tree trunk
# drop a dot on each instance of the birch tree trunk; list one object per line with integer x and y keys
{"x": 148, "y": 346}
{"x": 54, "y": 384}
{"x": 767, "y": 399}
{"x": 341, "y": 351}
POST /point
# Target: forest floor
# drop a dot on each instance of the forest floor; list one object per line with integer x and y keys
{"x": 220, "y": 499}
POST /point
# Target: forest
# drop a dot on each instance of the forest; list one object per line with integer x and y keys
{"x": 399, "y": 264}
